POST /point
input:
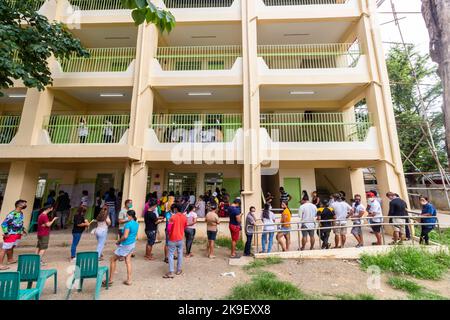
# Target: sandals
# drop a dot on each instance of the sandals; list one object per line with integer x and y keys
{"x": 12, "y": 262}
{"x": 127, "y": 283}
{"x": 4, "y": 268}
{"x": 179, "y": 272}
{"x": 110, "y": 283}
{"x": 168, "y": 276}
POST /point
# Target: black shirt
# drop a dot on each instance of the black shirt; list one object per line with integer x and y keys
{"x": 78, "y": 219}
{"x": 397, "y": 208}
{"x": 326, "y": 214}
{"x": 150, "y": 219}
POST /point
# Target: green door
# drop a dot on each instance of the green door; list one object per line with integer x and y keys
{"x": 233, "y": 187}
{"x": 293, "y": 187}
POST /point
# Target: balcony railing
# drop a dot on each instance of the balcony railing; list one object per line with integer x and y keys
{"x": 86, "y": 129}
{"x": 301, "y": 2}
{"x": 100, "y": 60}
{"x": 201, "y": 128}
{"x": 198, "y": 58}
{"x": 8, "y": 128}
{"x": 176, "y": 4}
{"x": 310, "y": 56}
{"x": 316, "y": 127}
{"x": 36, "y": 4}
{"x": 85, "y": 5}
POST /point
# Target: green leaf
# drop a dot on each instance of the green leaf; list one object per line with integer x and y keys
{"x": 139, "y": 15}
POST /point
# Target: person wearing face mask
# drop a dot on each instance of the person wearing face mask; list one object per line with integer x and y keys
{"x": 358, "y": 211}
{"x": 123, "y": 216}
{"x": 13, "y": 229}
{"x": 429, "y": 221}
{"x": 376, "y": 217}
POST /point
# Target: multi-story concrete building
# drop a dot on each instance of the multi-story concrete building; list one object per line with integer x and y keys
{"x": 247, "y": 95}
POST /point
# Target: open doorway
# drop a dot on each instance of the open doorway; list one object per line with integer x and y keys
{"x": 271, "y": 183}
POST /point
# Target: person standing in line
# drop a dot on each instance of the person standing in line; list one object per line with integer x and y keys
{"x": 177, "y": 225}
{"x": 250, "y": 222}
{"x": 98, "y": 204}
{"x": 123, "y": 216}
{"x": 326, "y": 217}
{"x": 284, "y": 196}
{"x": 308, "y": 215}
{"x": 358, "y": 211}
{"x": 315, "y": 199}
{"x": 397, "y": 208}
{"x": 168, "y": 214}
{"x": 376, "y": 217}
{"x": 62, "y": 208}
{"x": 125, "y": 247}
{"x": 212, "y": 223}
{"x": 101, "y": 231}
{"x": 234, "y": 212}
{"x": 84, "y": 198}
{"x": 151, "y": 219}
{"x": 13, "y": 229}
{"x": 200, "y": 207}
{"x": 43, "y": 231}
{"x": 342, "y": 211}
{"x": 190, "y": 229}
{"x": 83, "y": 131}
{"x": 192, "y": 198}
{"x": 50, "y": 199}
{"x": 268, "y": 218}
{"x": 429, "y": 213}
{"x": 79, "y": 226}
{"x": 163, "y": 202}
{"x": 284, "y": 235}
{"x": 110, "y": 201}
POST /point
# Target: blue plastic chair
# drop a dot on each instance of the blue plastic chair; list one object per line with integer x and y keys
{"x": 10, "y": 288}
{"x": 87, "y": 268}
{"x": 29, "y": 266}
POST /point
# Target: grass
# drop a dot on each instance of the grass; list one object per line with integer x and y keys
{"x": 226, "y": 243}
{"x": 415, "y": 262}
{"x": 361, "y": 296}
{"x": 414, "y": 290}
{"x": 266, "y": 286}
{"x": 259, "y": 263}
{"x": 442, "y": 238}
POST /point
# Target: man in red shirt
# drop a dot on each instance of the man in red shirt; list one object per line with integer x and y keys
{"x": 43, "y": 230}
{"x": 177, "y": 224}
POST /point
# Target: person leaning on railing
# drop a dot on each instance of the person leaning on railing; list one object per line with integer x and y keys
{"x": 326, "y": 217}
{"x": 397, "y": 208}
{"x": 284, "y": 235}
{"x": 376, "y": 217}
{"x": 429, "y": 223}
{"x": 83, "y": 131}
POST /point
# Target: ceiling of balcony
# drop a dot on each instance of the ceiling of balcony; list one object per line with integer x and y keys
{"x": 200, "y": 94}
{"x": 302, "y": 32}
{"x": 93, "y": 95}
{"x": 203, "y": 35}
{"x": 306, "y": 93}
{"x": 107, "y": 36}
{"x": 13, "y": 96}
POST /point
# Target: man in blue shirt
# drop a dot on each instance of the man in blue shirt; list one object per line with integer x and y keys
{"x": 428, "y": 211}
{"x": 126, "y": 246}
{"x": 234, "y": 212}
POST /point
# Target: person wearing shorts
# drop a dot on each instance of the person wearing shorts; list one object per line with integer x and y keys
{"x": 358, "y": 211}
{"x": 342, "y": 211}
{"x": 43, "y": 231}
{"x": 125, "y": 247}
{"x": 376, "y": 217}
{"x": 397, "y": 210}
{"x": 212, "y": 222}
{"x": 13, "y": 229}
{"x": 308, "y": 215}
{"x": 151, "y": 219}
{"x": 234, "y": 212}
{"x": 284, "y": 235}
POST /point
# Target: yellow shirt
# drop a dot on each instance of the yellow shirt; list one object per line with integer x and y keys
{"x": 286, "y": 218}
{"x": 163, "y": 203}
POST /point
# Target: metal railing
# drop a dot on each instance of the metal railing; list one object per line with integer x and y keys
{"x": 85, "y": 5}
{"x": 198, "y": 57}
{"x": 100, "y": 60}
{"x": 301, "y": 2}
{"x": 178, "y": 4}
{"x": 86, "y": 129}
{"x": 202, "y": 128}
{"x": 35, "y": 4}
{"x": 364, "y": 222}
{"x": 8, "y": 128}
{"x": 315, "y": 127}
{"x": 310, "y": 56}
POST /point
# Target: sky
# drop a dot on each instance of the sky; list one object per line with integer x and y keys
{"x": 413, "y": 26}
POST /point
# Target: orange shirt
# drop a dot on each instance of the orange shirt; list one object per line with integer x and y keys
{"x": 286, "y": 218}
{"x": 179, "y": 222}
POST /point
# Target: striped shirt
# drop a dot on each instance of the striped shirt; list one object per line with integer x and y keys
{"x": 284, "y": 196}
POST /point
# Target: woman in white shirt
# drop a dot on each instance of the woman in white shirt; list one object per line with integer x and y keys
{"x": 269, "y": 228}
{"x": 101, "y": 232}
{"x": 189, "y": 232}
{"x": 83, "y": 131}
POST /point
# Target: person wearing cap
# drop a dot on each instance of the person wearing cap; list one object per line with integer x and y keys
{"x": 234, "y": 212}
{"x": 212, "y": 222}
{"x": 376, "y": 217}
{"x": 342, "y": 211}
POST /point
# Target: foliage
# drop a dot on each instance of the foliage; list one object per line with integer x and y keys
{"x": 27, "y": 40}
{"x": 226, "y": 243}
{"x": 146, "y": 11}
{"x": 417, "y": 262}
{"x": 260, "y": 263}
{"x": 361, "y": 296}
{"x": 407, "y": 106}
{"x": 414, "y": 290}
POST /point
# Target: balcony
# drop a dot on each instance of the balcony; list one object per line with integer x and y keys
{"x": 208, "y": 136}
{"x": 198, "y": 65}
{"x": 202, "y": 10}
{"x": 95, "y": 12}
{"x": 311, "y": 63}
{"x": 86, "y": 129}
{"x": 108, "y": 65}
{"x": 8, "y": 128}
{"x": 302, "y": 2}
{"x": 86, "y": 5}
{"x": 177, "y": 4}
{"x": 36, "y": 4}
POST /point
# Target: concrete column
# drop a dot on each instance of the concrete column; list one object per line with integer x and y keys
{"x": 37, "y": 106}
{"x": 387, "y": 181}
{"x": 357, "y": 183}
{"x": 251, "y": 109}
{"x": 22, "y": 183}
{"x": 136, "y": 174}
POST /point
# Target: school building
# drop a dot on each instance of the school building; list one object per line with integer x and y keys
{"x": 246, "y": 95}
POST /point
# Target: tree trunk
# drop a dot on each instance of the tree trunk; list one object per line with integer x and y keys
{"x": 437, "y": 18}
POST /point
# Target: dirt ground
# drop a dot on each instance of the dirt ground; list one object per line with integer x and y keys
{"x": 202, "y": 277}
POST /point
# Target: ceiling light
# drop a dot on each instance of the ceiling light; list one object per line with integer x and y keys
{"x": 199, "y": 94}
{"x": 302, "y": 92}
{"x": 296, "y": 34}
{"x": 203, "y": 37}
{"x": 17, "y": 95}
{"x": 111, "y": 95}
{"x": 117, "y": 38}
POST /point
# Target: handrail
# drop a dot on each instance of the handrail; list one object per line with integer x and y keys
{"x": 178, "y": 4}
{"x": 302, "y": 2}
{"x": 8, "y": 128}
{"x": 37, "y": 4}
{"x": 85, "y": 5}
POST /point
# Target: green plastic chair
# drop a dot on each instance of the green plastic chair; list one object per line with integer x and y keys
{"x": 10, "y": 288}
{"x": 87, "y": 268}
{"x": 29, "y": 266}
{"x": 34, "y": 221}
